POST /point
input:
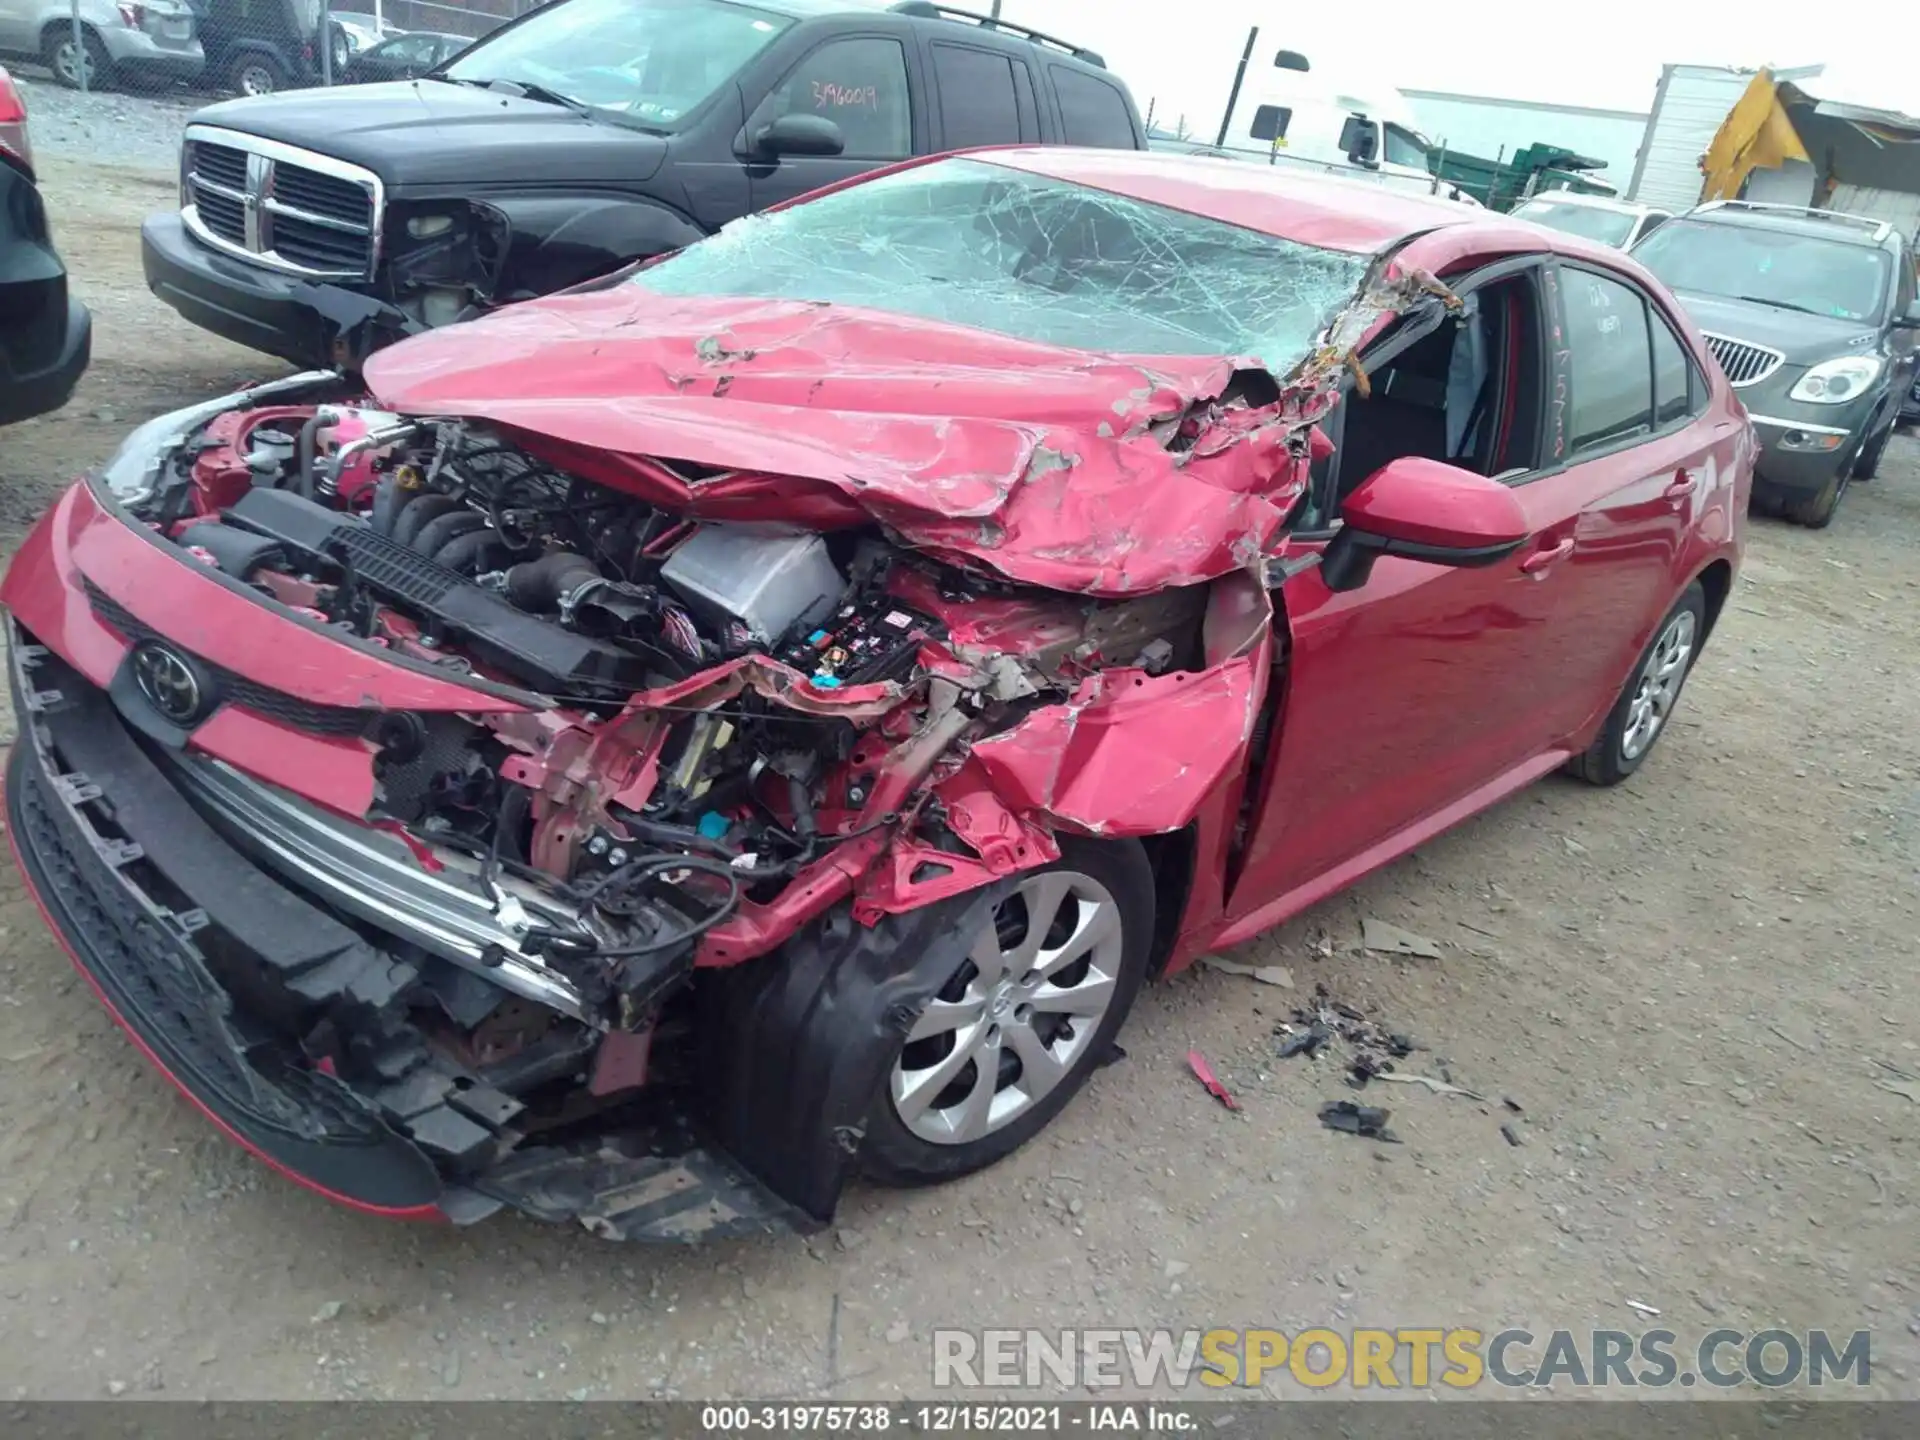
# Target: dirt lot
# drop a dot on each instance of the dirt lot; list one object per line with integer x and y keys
{"x": 1698, "y": 986}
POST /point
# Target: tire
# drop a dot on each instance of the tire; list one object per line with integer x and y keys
{"x": 1621, "y": 747}
{"x": 1816, "y": 512}
{"x": 913, "y": 1138}
{"x": 252, "y": 72}
{"x": 1868, "y": 465}
{"x": 59, "y": 55}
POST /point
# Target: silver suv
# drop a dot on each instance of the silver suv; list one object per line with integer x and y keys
{"x": 159, "y": 37}
{"x": 1812, "y": 314}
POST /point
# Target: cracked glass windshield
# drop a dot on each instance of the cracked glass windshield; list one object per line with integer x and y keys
{"x": 648, "y": 61}
{"x": 977, "y": 244}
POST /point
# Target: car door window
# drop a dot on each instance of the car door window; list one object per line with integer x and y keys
{"x": 1677, "y": 387}
{"x": 1609, "y": 361}
{"x": 1270, "y": 122}
{"x": 1092, "y": 112}
{"x": 409, "y": 50}
{"x": 860, "y": 84}
{"x": 977, "y": 104}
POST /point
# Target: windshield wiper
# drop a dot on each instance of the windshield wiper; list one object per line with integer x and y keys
{"x": 532, "y": 90}
{"x": 1781, "y": 304}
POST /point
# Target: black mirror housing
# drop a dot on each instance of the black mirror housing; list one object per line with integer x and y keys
{"x": 799, "y": 134}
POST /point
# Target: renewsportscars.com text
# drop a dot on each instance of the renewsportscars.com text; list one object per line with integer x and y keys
{"x": 1412, "y": 1358}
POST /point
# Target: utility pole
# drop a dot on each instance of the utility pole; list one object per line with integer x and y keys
{"x": 1233, "y": 95}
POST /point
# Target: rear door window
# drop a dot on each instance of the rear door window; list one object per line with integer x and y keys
{"x": 1677, "y": 390}
{"x": 1609, "y": 361}
{"x": 977, "y": 105}
{"x": 1092, "y": 111}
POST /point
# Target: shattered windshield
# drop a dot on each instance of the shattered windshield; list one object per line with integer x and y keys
{"x": 651, "y": 61}
{"x": 971, "y": 243}
{"x": 1772, "y": 267}
{"x": 1590, "y": 222}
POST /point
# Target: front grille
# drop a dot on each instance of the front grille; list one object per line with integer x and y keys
{"x": 1744, "y": 363}
{"x": 237, "y": 689}
{"x": 288, "y": 209}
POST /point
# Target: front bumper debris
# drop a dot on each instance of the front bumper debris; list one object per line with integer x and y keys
{"x": 209, "y": 962}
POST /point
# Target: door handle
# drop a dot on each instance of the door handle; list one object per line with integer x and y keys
{"x": 1545, "y": 559}
{"x": 1683, "y": 485}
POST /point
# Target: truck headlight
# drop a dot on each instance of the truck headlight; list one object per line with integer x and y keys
{"x": 1833, "y": 381}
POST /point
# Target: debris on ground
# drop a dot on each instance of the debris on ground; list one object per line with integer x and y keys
{"x": 1266, "y": 974}
{"x": 1385, "y": 939}
{"x": 1204, "y": 1071}
{"x": 1512, "y": 1135}
{"x": 1512, "y": 1104}
{"x": 1642, "y": 1307}
{"x": 1912, "y": 1092}
{"x": 1373, "y": 1047}
{"x": 1438, "y": 1087}
{"x": 1367, "y": 1121}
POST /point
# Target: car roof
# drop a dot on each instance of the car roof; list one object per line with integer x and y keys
{"x": 1591, "y": 202}
{"x": 1813, "y": 223}
{"x": 1335, "y": 214}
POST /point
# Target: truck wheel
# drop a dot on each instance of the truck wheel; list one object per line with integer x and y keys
{"x": 1017, "y": 1029}
{"x": 254, "y": 73}
{"x": 69, "y": 62}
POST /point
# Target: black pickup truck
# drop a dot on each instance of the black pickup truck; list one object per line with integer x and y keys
{"x": 586, "y": 135}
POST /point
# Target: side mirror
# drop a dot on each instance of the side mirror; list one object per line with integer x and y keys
{"x": 1291, "y": 60}
{"x": 1359, "y": 140}
{"x": 798, "y": 134}
{"x": 1422, "y": 509}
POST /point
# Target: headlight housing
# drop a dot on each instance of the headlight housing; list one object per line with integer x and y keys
{"x": 1833, "y": 382}
{"x": 130, "y": 476}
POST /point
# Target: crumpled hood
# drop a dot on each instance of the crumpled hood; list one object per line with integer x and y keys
{"x": 1050, "y": 465}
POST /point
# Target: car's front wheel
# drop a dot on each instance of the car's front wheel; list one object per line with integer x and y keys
{"x": 1640, "y": 716}
{"x": 1029, "y": 1014}
{"x": 1868, "y": 465}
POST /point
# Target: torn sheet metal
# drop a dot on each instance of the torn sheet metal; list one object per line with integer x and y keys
{"x": 1049, "y": 465}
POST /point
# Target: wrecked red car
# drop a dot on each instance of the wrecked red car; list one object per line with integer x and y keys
{"x": 646, "y": 755}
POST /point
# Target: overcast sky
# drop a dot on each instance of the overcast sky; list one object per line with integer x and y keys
{"x": 1183, "y": 52}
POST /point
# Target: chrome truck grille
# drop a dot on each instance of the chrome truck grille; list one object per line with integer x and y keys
{"x": 284, "y": 208}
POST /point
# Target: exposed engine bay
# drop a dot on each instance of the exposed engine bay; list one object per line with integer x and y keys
{"x": 707, "y": 734}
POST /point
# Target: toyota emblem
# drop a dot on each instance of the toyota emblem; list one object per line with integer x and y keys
{"x": 171, "y": 682}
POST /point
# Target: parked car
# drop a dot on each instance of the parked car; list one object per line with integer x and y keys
{"x": 643, "y": 754}
{"x": 584, "y": 136}
{"x": 404, "y": 57}
{"x": 363, "y": 32}
{"x": 46, "y": 335}
{"x": 148, "y": 38}
{"x": 1614, "y": 222}
{"x": 260, "y": 47}
{"x": 1813, "y": 316}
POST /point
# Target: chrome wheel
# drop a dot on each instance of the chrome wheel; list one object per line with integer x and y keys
{"x": 1015, "y": 1019}
{"x": 258, "y": 80}
{"x": 1658, "y": 687}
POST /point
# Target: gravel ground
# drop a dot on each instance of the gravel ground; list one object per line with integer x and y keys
{"x": 140, "y": 132}
{"x": 1700, "y": 987}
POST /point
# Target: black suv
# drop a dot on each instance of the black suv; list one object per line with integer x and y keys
{"x": 584, "y": 136}
{"x": 1812, "y": 314}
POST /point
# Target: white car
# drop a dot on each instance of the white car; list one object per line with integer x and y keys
{"x": 1619, "y": 223}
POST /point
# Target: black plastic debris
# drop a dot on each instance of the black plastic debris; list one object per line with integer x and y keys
{"x": 1513, "y": 1136}
{"x": 1371, "y": 1047}
{"x": 1512, "y": 1104}
{"x": 1367, "y": 1121}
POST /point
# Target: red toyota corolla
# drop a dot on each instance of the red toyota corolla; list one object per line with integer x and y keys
{"x": 644, "y": 755}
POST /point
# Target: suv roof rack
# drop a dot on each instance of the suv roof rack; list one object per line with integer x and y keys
{"x": 1878, "y": 229}
{"x": 927, "y": 10}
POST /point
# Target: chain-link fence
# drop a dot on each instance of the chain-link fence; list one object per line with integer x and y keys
{"x": 245, "y": 47}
